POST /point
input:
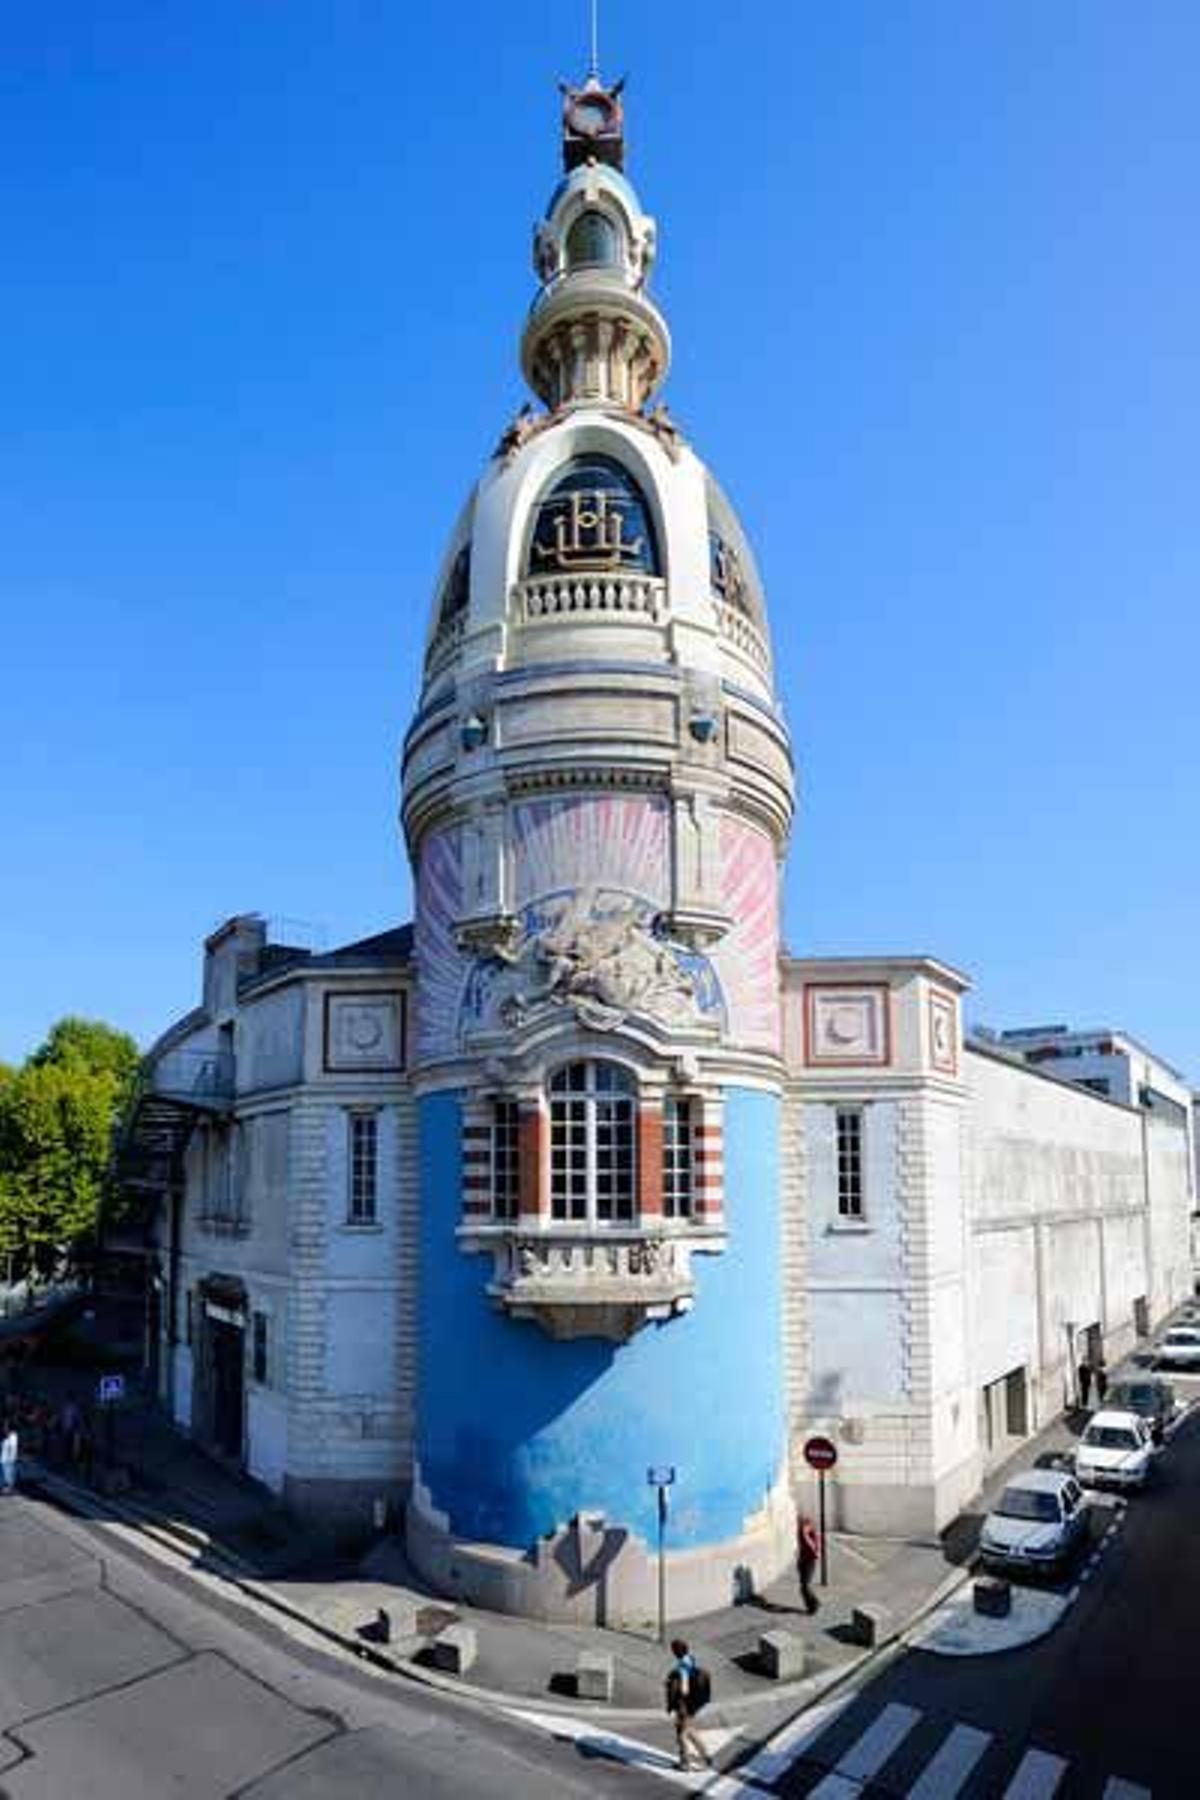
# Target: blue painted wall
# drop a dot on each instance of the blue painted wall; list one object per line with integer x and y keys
{"x": 517, "y": 1432}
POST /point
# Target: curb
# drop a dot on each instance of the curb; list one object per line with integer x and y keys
{"x": 187, "y": 1541}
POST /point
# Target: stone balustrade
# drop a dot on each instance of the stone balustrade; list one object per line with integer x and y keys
{"x": 745, "y": 637}
{"x": 622, "y": 597}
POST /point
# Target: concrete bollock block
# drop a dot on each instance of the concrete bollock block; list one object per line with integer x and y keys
{"x": 870, "y": 1625}
{"x": 455, "y": 1649}
{"x": 595, "y": 1675}
{"x": 781, "y": 1655}
{"x": 993, "y": 1597}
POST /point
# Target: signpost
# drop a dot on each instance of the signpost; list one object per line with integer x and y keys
{"x": 661, "y": 1478}
{"x": 110, "y": 1392}
{"x": 820, "y": 1453}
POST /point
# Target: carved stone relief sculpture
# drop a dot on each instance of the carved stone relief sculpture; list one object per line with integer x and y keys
{"x": 597, "y": 953}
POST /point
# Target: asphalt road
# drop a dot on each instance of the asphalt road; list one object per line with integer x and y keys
{"x": 119, "y": 1681}
{"x": 1106, "y": 1706}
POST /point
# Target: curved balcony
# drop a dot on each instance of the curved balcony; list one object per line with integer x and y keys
{"x": 742, "y": 636}
{"x": 596, "y": 596}
{"x": 604, "y": 1283}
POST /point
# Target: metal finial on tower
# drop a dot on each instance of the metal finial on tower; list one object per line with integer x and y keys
{"x": 594, "y": 62}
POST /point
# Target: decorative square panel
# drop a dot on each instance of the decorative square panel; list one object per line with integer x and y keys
{"x": 364, "y": 1032}
{"x": 943, "y": 1032}
{"x": 847, "y": 1026}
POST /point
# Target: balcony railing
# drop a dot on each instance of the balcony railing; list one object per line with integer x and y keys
{"x": 596, "y": 596}
{"x": 737, "y": 630}
{"x": 200, "y": 1078}
{"x": 605, "y": 1284}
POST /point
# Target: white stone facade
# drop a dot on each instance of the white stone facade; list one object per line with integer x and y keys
{"x": 1011, "y": 1225}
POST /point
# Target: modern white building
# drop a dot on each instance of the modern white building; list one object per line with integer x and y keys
{"x": 583, "y": 1176}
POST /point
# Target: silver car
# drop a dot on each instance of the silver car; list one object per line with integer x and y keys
{"x": 1038, "y": 1523}
{"x": 1180, "y": 1345}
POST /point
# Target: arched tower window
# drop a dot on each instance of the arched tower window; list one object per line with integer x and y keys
{"x": 592, "y": 240}
{"x": 595, "y": 516}
{"x": 593, "y": 1170}
{"x": 457, "y": 590}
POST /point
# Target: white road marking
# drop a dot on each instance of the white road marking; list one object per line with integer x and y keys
{"x": 1116, "y": 1789}
{"x": 944, "y": 1777}
{"x": 867, "y": 1755}
{"x": 1037, "y": 1776}
{"x": 598, "y": 1742}
{"x": 785, "y": 1748}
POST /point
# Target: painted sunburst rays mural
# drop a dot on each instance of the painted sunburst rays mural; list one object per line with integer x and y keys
{"x": 618, "y": 841}
{"x": 747, "y": 957}
{"x": 612, "y": 851}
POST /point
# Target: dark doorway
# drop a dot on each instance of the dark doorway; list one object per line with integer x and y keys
{"x": 227, "y": 1353}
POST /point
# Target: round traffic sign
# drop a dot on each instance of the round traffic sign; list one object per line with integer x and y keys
{"x": 820, "y": 1453}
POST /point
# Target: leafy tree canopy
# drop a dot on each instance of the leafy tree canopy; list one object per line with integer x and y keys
{"x": 56, "y": 1120}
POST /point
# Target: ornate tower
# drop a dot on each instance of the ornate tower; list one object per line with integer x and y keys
{"x": 597, "y": 795}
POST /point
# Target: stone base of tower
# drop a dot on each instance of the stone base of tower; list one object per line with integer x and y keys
{"x": 593, "y": 1571}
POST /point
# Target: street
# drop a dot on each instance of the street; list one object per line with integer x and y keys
{"x": 118, "y": 1682}
{"x": 1103, "y": 1707}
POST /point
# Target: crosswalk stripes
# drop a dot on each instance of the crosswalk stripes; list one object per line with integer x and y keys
{"x": 946, "y": 1775}
{"x": 912, "y": 1755}
{"x": 868, "y": 1753}
{"x": 1037, "y": 1777}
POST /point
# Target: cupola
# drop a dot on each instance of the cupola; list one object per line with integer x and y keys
{"x": 593, "y": 332}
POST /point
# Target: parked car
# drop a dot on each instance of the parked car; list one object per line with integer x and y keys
{"x": 1180, "y": 1345}
{"x": 1149, "y": 1396}
{"x": 1116, "y": 1450}
{"x": 1039, "y": 1522}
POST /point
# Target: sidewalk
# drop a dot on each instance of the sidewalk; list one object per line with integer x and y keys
{"x": 231, "y": 1527}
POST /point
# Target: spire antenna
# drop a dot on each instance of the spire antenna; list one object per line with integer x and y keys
{"x": 594, "y": 64}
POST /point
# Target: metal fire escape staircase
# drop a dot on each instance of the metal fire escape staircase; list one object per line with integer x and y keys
{"x": 173, "y": 1092}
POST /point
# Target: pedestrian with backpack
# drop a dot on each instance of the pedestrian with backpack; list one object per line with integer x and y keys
{"x": 688, "y": 1689}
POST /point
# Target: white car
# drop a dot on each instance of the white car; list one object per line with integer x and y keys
{"x": 1038, "y": 1524}
{"x": 1116, "y": 1450}
{"x": 1180, "y": 1345}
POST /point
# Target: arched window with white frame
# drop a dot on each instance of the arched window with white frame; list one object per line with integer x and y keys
{"x": 593, "y": 1128}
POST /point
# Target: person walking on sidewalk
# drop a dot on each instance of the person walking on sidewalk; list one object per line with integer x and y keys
{"x": 1085, "y": 1383}
{"x": 808, "y": 1554}
{"x": 683, "y": 1703}
{"x": 9, "y": 1452}
{"x": 1100, "y": 1377}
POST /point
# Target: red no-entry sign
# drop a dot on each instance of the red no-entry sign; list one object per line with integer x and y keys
{"x": 820, "y": 1453}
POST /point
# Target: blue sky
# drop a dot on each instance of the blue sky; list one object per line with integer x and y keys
{"x": 931, "y": 272}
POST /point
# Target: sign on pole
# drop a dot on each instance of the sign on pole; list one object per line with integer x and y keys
{"x": 111, "y": 1389}
{"x": 661, "y": 1478}
{"x": 820, "y": 1453}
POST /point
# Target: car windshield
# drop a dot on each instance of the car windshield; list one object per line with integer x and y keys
{"x": 1110, "y": 1437}
{"x": 1138, "y": 1399}
{"x": 1182, "y": 1337}
{"x": 1028, "y": 1503}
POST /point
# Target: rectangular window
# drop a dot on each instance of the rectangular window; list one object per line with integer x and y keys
{"x": 260, "y": 1350}
{"x": 678, "y": 1160}
{"x": 364, "y": 1168}
{"x": 850, "y": 1163}
{"x": 506, "y": 1163}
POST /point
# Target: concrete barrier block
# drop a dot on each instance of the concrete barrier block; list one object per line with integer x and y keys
{"x": 781, "y": 1655}
{"x": 455, "y": 1649}
{"x": 870, "y": 1625}
{"x": 595, "y": 1675}
{"x": 993, "y": 1597}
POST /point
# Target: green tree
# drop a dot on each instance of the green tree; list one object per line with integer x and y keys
{"x": 56, "y": 1120}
